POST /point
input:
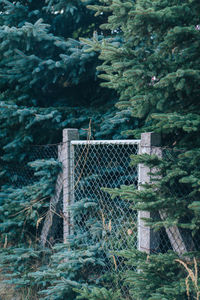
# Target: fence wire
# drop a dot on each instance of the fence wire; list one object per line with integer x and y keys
{"x": 103, "y": 219}
{"x": 20, "y": 174}
{"x": 97, "y": 218}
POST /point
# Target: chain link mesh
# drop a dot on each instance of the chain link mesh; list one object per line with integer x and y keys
{"x": 102, "y": 219}
{"x": 21, "y": 174}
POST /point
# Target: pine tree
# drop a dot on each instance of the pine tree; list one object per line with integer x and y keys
{"x": 155, "y": 70}
{"x": 47, "y": 82}
{"x": 150, "y": 58}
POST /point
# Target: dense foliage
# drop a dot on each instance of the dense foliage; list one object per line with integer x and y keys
{"x": 155, "y": 70}
{"x": 47, "y": 82}
{"x": 152, "y": 61}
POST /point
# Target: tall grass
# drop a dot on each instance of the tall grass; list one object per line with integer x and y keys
{"x": 193, "y": 276}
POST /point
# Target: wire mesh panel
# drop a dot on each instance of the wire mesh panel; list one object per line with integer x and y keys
{"x": 21, "y": 173}
{"x": 97, "y": 216}
{"x": 35, "y": 176}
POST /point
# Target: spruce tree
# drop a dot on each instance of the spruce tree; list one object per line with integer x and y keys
{"x": 47, "y": 83}
{"x": 150, "y": 57}
{"x": 155, "y": 70}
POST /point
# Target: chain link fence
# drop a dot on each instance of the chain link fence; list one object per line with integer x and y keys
{"x": 19, "y": 174}
{"x": 30, "y": 173}
{"x": 100, "y": 225}
{"x": 98, "y": 217}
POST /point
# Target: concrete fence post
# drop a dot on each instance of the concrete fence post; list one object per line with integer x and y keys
{"x": 148, "y": 240}
{"x": 67, "y": 157}
{"x": 49, "y": 226}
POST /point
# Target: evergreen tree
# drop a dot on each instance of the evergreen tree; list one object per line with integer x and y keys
{"x": 155, "y": 70}
{"x": 47, "y": 82}
{"x": 150, "y": 57}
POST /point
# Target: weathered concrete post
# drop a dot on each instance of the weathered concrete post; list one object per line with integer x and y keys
{"x": 67, "y": 157}
{"x": 148, "y": 240}
{"x": 48, "y": 228}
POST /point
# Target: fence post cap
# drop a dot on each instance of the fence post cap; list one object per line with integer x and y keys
{"x": 149, "y": 139}
{"x": 70, "y": 134}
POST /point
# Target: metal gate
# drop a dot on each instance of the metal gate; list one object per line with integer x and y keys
{"x": 110, "y": 222}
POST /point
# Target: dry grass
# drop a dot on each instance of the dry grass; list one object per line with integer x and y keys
{"x": 7, "y": 292}
{"x": 193, "y": 275}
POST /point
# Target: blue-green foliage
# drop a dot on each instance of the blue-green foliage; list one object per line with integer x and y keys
{"x": 150, "y": 53}
{"x": 22, "y": 206}
{"x": 155, "y": 70}
{"x": 47, "y": 82}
